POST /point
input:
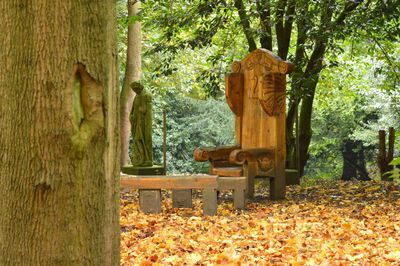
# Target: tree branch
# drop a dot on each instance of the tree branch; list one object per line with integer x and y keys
{"x": 284, "y": 21}
{"x": 314, "y": 65}
{"x": 348, "y": 8}
{"x": 289, "y": 17}
{"x": 244, "y": 21}
{"x": 264, "y": 11}
{"x": 279, "y": 26}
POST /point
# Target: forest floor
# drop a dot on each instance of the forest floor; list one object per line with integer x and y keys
{"x": 329, "y": 223}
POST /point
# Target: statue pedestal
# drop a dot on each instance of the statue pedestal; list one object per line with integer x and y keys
{"x": 143, "y": 170}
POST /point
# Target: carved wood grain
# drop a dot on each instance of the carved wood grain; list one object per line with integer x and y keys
{"x": 234, "y": 92}
{"x": 204, "y": 154}
{"x": 265, "y": 75}
{"x": 264, "y": 156}
{"x": 227, "y": 171}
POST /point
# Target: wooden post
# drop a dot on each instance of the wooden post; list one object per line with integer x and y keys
{"x": 165, "y": 141}
{"x": 209, "y": 201}
{"x": 182, "y": 198}
{"x": 239, "y": 199}
{"x": 250, "y": 170}
{"x": 150, "y": 200}
{"x": 238, "y": 184}
{"x": 278, "y": 183}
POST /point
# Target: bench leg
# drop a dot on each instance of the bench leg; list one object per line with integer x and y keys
{"x": 239, "y": 196}
{"x": 250, "y": 170}
{"x": 278, "y": 184}
{"x": 150, "y": 200}
{"x": 182, "y": 198}
{"x": 209, "y": 201}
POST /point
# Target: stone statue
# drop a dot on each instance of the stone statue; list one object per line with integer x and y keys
{"x": 141, "y": 127}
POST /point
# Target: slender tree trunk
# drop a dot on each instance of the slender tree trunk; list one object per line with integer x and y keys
{"x": 362, "y": 168}
{"x": 354, "y": 161}
{"x": 385, "y": 157}
{"x": 305, "y": 131}
{"x": 349, "y": 161}
{"x": 264, "y": 11}
{"x": 59, "y": 133}
{"x": 246, "y": 26}
{"x": 132, "y": 73}
{"x": 296, "y": 86}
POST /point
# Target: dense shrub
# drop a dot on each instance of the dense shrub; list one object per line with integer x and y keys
{"x": 190, "y": 123}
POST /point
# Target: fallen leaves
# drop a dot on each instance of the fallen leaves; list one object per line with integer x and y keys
{"x": 333, "y": 223}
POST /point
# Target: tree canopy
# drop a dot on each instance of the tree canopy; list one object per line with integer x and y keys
{"x": 308, "y": 33}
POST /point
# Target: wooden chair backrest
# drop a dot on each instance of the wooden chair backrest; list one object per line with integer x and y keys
{"x": 255, "y": 92}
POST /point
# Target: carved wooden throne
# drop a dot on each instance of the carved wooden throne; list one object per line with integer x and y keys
{"x": 255, "y": 92}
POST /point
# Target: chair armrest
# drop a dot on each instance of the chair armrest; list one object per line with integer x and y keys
{"x": 221, "y": 153}
{"x": 263, "y": 156}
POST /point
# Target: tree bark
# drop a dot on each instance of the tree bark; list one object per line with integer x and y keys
{"x": 354, "y": 161}
{"x": 245, "y": 22}
{"x": 349, "y": 158}
{"x": 305, "y": 131}
{"x": 284, "y": 20}
{"x": 59, "y": 133}
{"x": 132, "y": 73}
{"x": 264, "y": 11}
{"x": 385, "y": 157}
{"x": 361, "y": 163}
{"x": 296, "y": 86}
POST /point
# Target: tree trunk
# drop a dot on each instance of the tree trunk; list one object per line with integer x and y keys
{"x": 354, "y": 161}
{"x": 349, "y": 159}
{"x": 362, "y": 168}
{"x": 59, "y": 133}
{"x": 132, "y": 73}
{"x": 246, "y": 26}
{"x": 305, "y": 131}
{"x": 385, "y": 157}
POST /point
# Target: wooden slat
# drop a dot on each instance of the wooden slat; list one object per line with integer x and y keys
{"x": 237, "y": 182}
{"x": 169, "y": 182}
{"x": 227, "y": 171}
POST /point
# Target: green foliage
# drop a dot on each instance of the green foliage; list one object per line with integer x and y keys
{"x": 198, "y": 34}
{"x": 395, "y": 173}
{"x": 354, "y": 100}
{"x": 122, "y": 37}
{"x": 191, "y": 123}
{"x": 190, "y": 76}
{"x": 173, "y": 26}
{"x": 188, "y": 46}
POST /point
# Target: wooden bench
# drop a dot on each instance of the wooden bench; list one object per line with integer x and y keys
{"x": 181, "y": 186}
{"x": 183, "y": 198}
{"x": 150, "y": 189}
{"x": 238, "y": 185}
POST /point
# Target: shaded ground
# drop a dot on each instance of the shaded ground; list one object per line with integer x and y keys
{"x": 332, "y": 223}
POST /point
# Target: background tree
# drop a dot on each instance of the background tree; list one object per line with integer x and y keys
{"x": 356, "y": 97}
{"x": 132, "y": 72}
{"x": 59, "y": 133}
{"x": 301, "y": 31}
